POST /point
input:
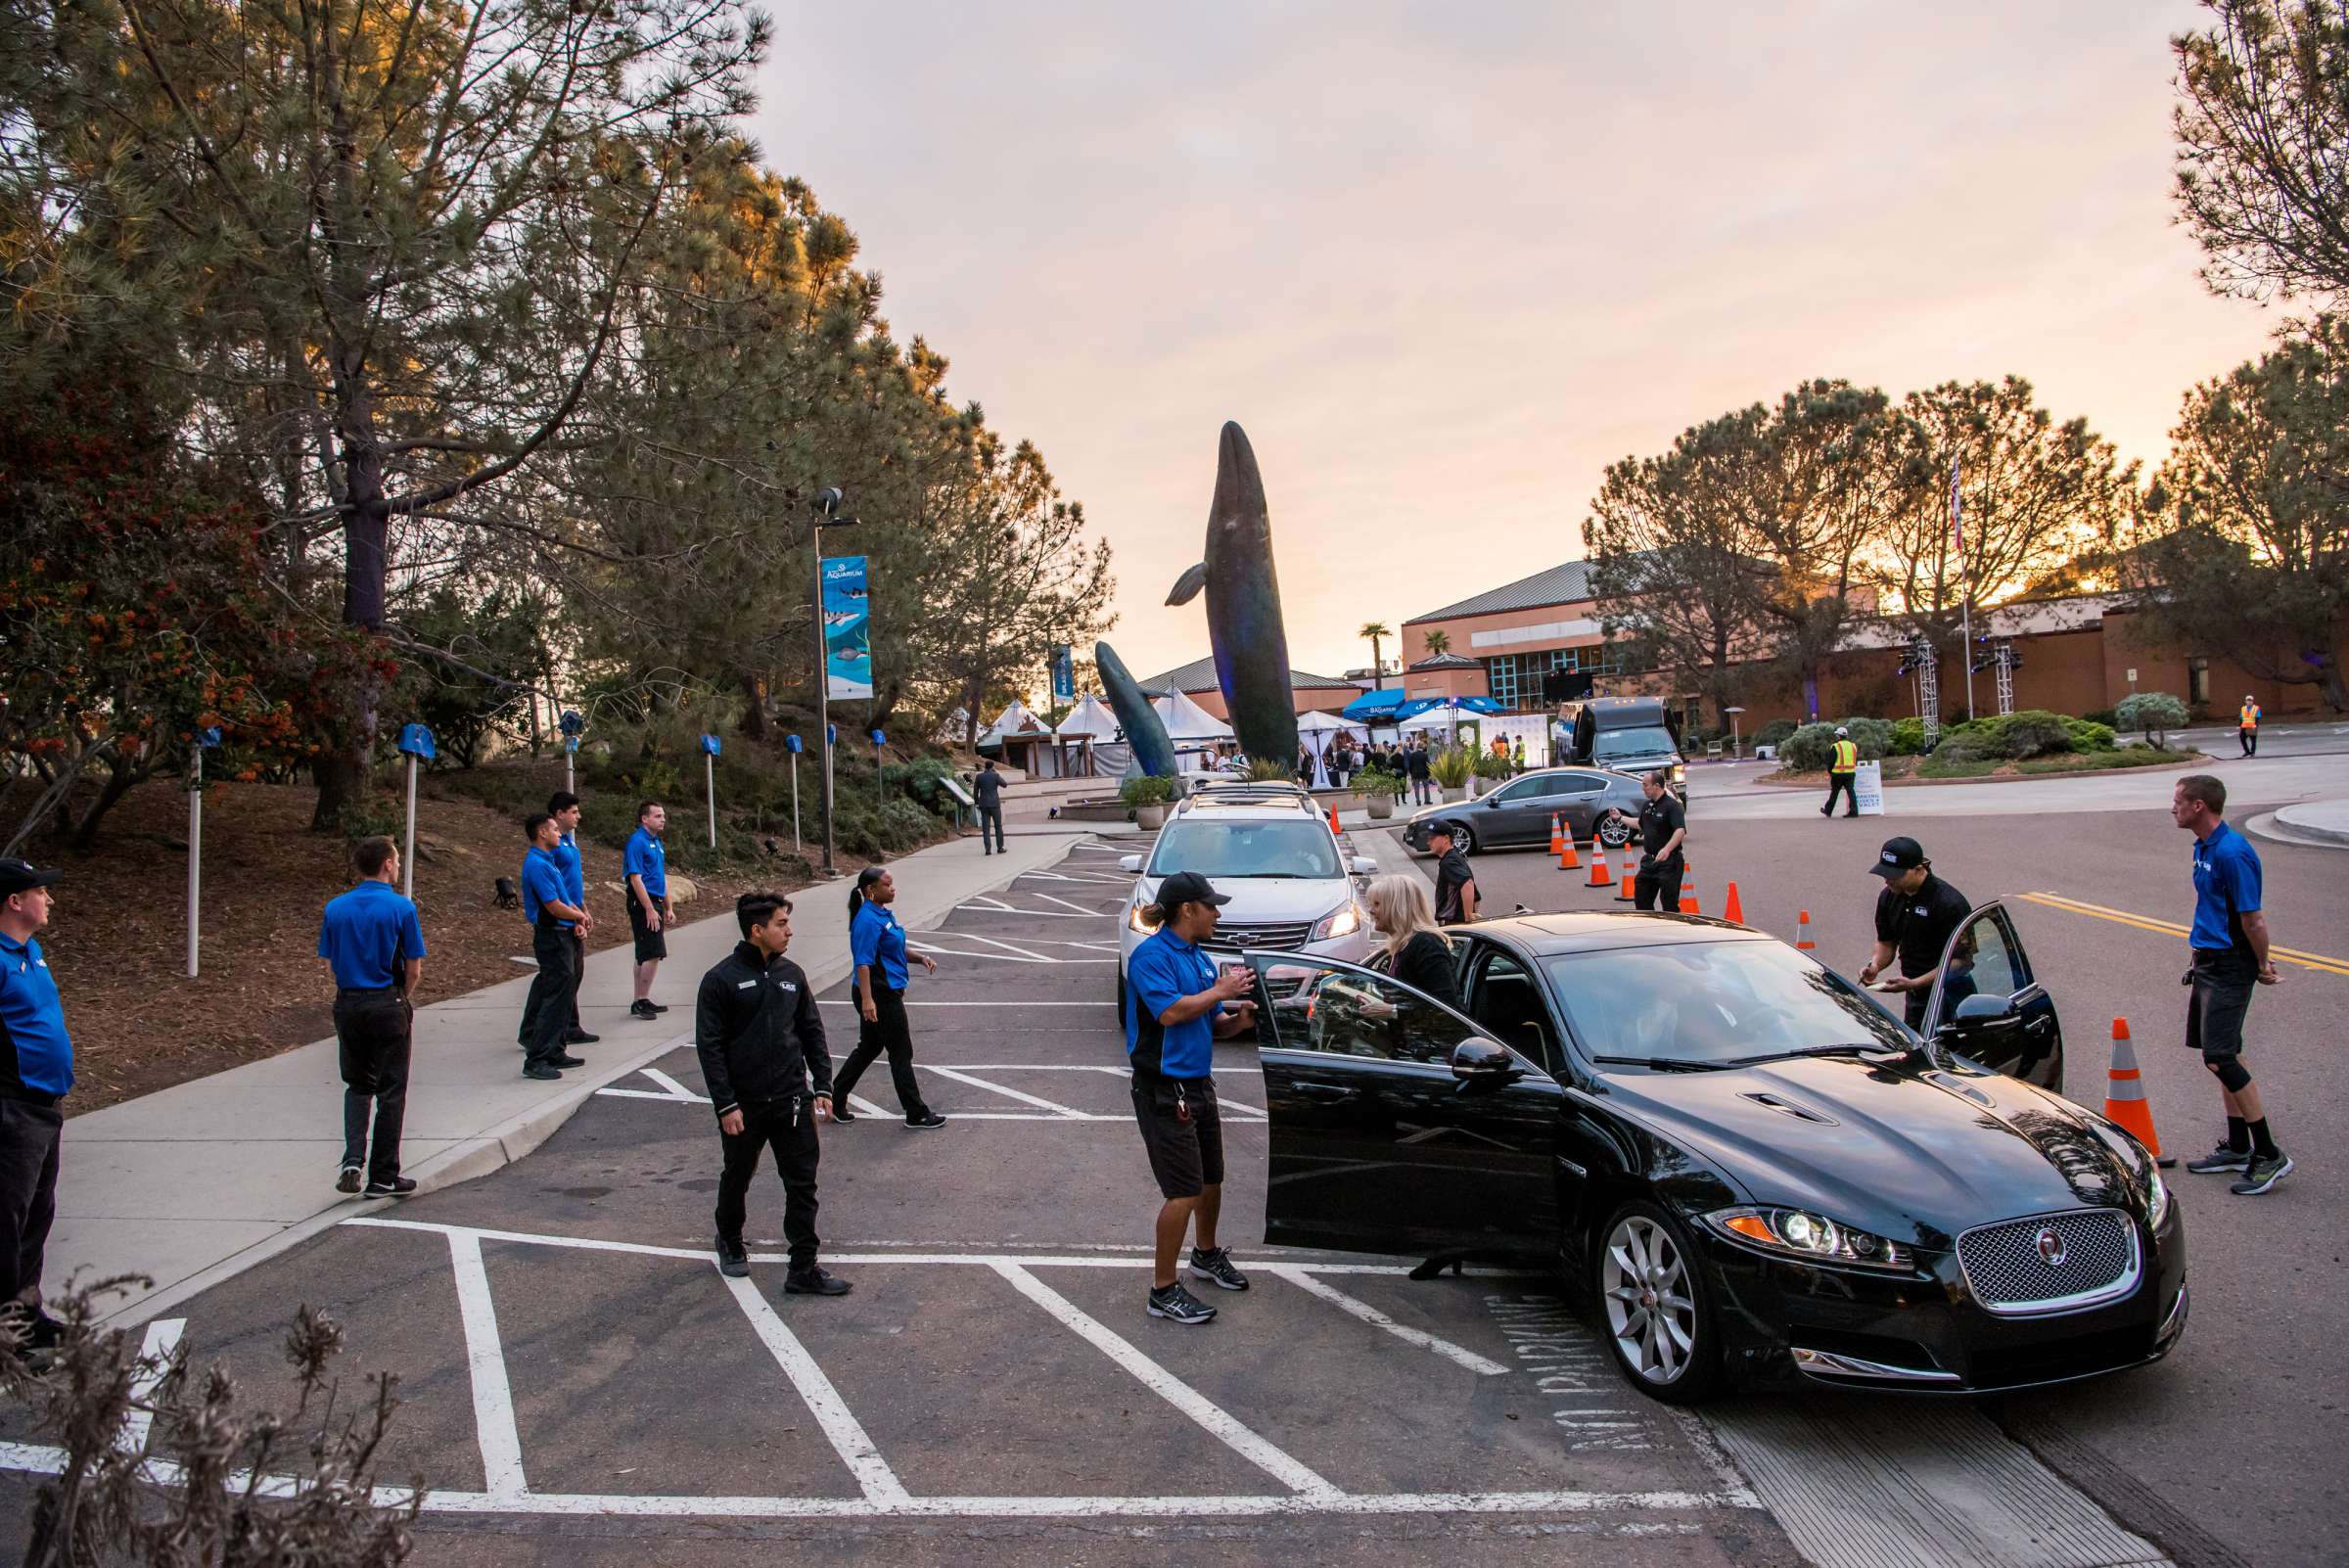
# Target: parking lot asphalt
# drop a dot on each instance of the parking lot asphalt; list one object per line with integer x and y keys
{"x": 580, "y": 1385}
{"x": 2100, "y": 897}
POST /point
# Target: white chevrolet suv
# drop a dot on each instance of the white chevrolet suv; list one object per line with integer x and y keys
{"x": 1271, "y": 851}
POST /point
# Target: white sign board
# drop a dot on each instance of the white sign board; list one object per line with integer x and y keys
{"x": 1867, "y": 789}
{"x": 956, "y": 793}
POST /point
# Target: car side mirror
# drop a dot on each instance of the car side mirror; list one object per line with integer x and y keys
{"x": 1129, "y": 862}
{"x": 1365, "y": 865}
{"x": 1478, "y": 1060}
{"x": 1982, "y": 1015}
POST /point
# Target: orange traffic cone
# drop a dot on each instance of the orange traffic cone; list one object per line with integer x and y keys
{"x": 1557, "y": 836}
{"x": 1689, "y": 893}
{"x": 1731, "y": 907}
{"x": 2125, "y": 1096}
{"x": 1802, "y": 933}
{"x": 1568, "y": 861}
{"x": 1598, "y": 866}
{"x": 1629, "y": 895}
{"x": 1335, "y": 831}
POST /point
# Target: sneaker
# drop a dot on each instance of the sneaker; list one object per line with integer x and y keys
{"x": 580, "y": 1037}
{"x": 2223, "y": 1158}
{"x": 1217, "y": 1265}
{"x": 657, "y": 1007}
{"x": 1181, "y": 1305}
{"x": 540, "y": 1073}
{"x": 397, "y": 1187}
{"x": 351, "y": 1179}
{"x": 2265, "y": 1170}
{"x": 568, "y": 1060}
{"x": 813, "y": 1281}
{"x": 643, "y": 1009}
{"x": 840, "y": 1112}
{"x": 925, "y": 1122}
{"x": 732, "y": 1260}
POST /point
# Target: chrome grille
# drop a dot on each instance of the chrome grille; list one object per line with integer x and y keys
{"x": 2051, "y": 1264}
{"x": 1284, "y": 938}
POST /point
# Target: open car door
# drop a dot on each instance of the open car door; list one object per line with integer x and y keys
{"x": 1397, "y": 1126}
{"x": 1987, "y": 1004}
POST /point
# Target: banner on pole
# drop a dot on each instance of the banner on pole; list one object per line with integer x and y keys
{"x": 1064, "y": 673}
{"x": 847, "y": 621}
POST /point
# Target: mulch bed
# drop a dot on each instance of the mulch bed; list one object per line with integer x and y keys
{"x": 117, "y": 941}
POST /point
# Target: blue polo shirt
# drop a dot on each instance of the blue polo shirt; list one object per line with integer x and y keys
{"x": 1162, "y": 971}
{"x": 575, "y": 870}
{"x": 2227, "y": 878}
{"x": 544, "y": 881}
{"x": 876, "y": 938}
{"x": 366, "y": 934}
{"x": 35, "y": 1053}
{"x": 647, "y": 858}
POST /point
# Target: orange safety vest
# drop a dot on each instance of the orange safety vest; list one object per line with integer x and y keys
{"x": 1846, "y": 758}
{"x": 2250, "y": 716}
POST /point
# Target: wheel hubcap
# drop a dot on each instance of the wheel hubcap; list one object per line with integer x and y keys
{"x": 1650, "y": 1311}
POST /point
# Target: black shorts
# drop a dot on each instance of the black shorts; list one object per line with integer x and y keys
{"x": 2223, "y": 983}
{"x": 1186, "y": 1153}
{"x": 650, "y": 943}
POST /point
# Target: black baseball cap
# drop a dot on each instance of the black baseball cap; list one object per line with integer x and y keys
{"x": 21, "y": 876}
{"x": 1898, "y": 855}
{"x": 1443, "y": 825}
{"x": 1189, "y": 886}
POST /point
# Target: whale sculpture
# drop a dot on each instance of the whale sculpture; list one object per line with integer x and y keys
{"x": 1243, "y": 607}
{"x": 1145, "y": 731}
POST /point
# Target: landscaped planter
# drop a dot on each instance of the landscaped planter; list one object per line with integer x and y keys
{"x": 1453, "y": 792}
{"x": 1380, "y": 806}
{"x": 1150, "y": 818}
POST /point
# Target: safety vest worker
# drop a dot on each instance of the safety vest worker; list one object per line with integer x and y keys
{"x": 1846, "y": 758}
{"x": 2247, "y": 725}
{"x": 1842, "y": 775}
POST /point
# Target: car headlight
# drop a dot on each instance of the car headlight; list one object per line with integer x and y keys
{"x": 2157, "y": 1197}
{"x": 1134, "y": 920}
{"x": 1679, "y": 772}
{"x": 1343, "y": 921}
{"x": 1800, "y": 1233}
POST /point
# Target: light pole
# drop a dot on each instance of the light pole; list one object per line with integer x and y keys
{"x": 1736, "y": 741}
{"x": 826, "y": 510}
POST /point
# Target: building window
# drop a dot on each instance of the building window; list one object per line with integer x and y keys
{"x": 1515, "y": 679}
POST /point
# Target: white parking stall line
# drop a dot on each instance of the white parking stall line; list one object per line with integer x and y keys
{"x": 1090, "y": 914}
{"x": 485, "y": 1362}
{"x": 1378, "y": 1320}
{"x": 673, "y": 1086}
{"x": 986, "y": 905}
{"x": 844, "y": 1001}
{"x": 847, "y": 1434}
{"x": 999, "y": 957}
{"x": 155, "y": 1359}
{"x": 1241, "y": 1440}
{"x": 961, "y": 1077}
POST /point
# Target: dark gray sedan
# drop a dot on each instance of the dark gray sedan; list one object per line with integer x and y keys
{"x": 1518, "y": 812}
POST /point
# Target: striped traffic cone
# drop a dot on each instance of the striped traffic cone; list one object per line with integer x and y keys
{"x": 2125, "y": 1096}
{"x": 1802, "y": 933}
{"x": 1689, "y": 893}
{"x": 1630, "y": 893}
{"x": 1557, "y": 836}
{"x": 1598, "y": 866}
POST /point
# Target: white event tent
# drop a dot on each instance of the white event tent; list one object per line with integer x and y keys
{"x": 1090, "y": 743}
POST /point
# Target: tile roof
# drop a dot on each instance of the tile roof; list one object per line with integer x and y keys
{"x": 1449, "y": 660}
{"x": 1566, "y": 583}
{"x": 1200, "y": 676}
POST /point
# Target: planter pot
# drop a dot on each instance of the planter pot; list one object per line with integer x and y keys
{"x": 1453, "y": 792}
{"x": 1381, "y": 807}
{"x": 1150, "y": 818}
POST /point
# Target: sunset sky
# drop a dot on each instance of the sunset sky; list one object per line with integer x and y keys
{"x": 1445, "y": 262}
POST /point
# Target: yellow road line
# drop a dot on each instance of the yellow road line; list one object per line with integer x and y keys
{"x": 2168, "y": 928}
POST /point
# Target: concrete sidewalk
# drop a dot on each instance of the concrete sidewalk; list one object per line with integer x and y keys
{"x": 197, "y": 1182}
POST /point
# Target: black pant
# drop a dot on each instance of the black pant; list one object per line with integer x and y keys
{"x": 990, "y": 815}
{"x": 545, "y": 1018}
{"x": 1842, "y": 784}
{"x": 579, "y": 972}
{"x": 1657, "y": 882}
{"x": 787, "y": 1126}
{"x": 374, "y": 1029}
{"x": 29, "y": 1136}
{"x": 887, "y": 1031}
{"x": 2250, "y": 740}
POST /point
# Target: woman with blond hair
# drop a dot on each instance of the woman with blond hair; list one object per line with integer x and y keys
{"x": 1416, "y": 951}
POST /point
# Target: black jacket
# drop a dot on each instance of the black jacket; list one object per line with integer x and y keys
{"x": 987, "y": 790}
{"x": 1414, "y": 763}
{"x": 757, "y": 1030}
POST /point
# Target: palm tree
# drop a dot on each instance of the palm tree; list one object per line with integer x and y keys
{"x": 1439, "y": 643}
{"x": 1376, "y": 630}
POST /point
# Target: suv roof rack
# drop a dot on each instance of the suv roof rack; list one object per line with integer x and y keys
{"x": 1252, "y": 786}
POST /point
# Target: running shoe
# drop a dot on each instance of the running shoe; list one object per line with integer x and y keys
{"x": 351, "y": 1179}
{"x": 392, "y": 1187}
{"x": 1216, "y": 1263}
{"x": 813, "y": 1281}
{"x": 2265, "y": 1171}
{"x": 928, "y": 1121}
{"x": 732, "y": 1260}
{"x": 2222, "y": 1158}
{"x": 1176, "y": 1303}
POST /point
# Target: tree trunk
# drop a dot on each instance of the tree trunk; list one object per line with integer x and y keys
{"x": 753, "y": 718}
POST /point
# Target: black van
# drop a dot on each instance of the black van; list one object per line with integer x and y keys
{"x": 1629, "y": 733}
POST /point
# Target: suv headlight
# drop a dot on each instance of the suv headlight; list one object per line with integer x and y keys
{"x": 1134, "y": 920}
{"x": 2157, "y": 1197}
{"x": 1343, "y": 921}
{"x": 1679, "y": 772}
{"x": 1800, "y": 1233}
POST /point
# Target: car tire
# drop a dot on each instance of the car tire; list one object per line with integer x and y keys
{"x": 1464, "y": 840}
{"x": 1614, "y": 832}
{"x": 1655, "y": 1305}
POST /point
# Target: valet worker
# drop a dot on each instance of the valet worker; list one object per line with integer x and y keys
{"x": 563, "y": 808}
{"x": 2246, "y": 721}
{"x": 1456, "y": 884}
{"x": 1843, "y": 775}
{"x": 370, "y": 939}
{"x": 546, "y": 906}
{"x": 37, "y": 1070}
{"x": 1917, "y": 914}
{"x": 1663, "y": 831}
{"x": 761, "y": 1045}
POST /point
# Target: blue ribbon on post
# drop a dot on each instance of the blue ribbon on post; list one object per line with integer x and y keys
{"x": 417, "y": 741}
{"x": 793, "y": 745}
{"x": 209, "y": 736}
{"x": 571, "y": 723}
{"x": 710, "y": 745}
{"x": 880, "y": 739}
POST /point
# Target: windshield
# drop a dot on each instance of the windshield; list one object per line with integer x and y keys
{"x": 1296, "y": 849}
{"x": 1714, "y": 1001}
{"x": 1648, "y": 740}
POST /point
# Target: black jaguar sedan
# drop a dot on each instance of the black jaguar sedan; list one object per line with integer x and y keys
{"x": 1759, "y": 1173}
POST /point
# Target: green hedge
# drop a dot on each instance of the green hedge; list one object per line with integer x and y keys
{"x": 1813, "y": 747}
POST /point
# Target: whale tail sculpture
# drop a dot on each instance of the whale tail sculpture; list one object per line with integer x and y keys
{"x": 1243, "y": 605}
{"x": 1145, "y": 731}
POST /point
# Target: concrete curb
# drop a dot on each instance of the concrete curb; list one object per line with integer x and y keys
{"x": 511, "y": 1140}
{"x": 2276, "y": 828}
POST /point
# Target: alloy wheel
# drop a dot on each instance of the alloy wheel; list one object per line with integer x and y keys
{"x": 1651, "y": 1310}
